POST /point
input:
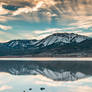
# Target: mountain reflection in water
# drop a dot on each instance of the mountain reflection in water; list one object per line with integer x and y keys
{"x": 25, "y": 74}
{"x": 58, "y": 71}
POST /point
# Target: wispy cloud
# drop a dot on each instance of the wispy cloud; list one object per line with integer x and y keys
{"x": 77, "y": 10}
{"x": 2, "y": 10}
{"x": 82, "y": 22}
{"x": 51, "y": 30}
{"x": 5, "y": 27}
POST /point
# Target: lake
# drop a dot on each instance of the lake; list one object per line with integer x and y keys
{"x": 52, "y": 75}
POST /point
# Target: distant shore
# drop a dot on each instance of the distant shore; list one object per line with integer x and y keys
{"x": 22, "y": 58}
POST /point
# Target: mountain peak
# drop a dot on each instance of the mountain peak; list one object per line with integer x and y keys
{"x": 59, "y": 34}
{"x": 68, "y": 34}
{"x": 63, "y": 38}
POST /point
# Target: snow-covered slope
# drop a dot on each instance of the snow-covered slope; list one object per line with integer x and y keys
{"x": 61, "y": 37}
{"x": 21, "y": 43}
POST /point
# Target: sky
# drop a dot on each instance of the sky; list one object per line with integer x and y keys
{"x": 36, "y": 19}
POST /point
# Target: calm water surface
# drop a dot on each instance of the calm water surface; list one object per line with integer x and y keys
{"x": 57, "y": 76}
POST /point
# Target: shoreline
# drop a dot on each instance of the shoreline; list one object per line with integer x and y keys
{"x": 46, "y": 59}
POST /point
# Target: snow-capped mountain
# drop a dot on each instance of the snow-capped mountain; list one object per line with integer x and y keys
{"x": 54, "y": 45}
{"x": 62, "y": 38}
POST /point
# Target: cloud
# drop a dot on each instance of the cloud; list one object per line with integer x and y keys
{"x": 22, "y": 10}
{"x": 82, "y": 22}
{"x": 8, "y": 18}
{"x": 5, "y": 87}
{"x": 5, "y": 27}
{"x": 40, "y": 34}
{"x": 32, "y": 13}
{"x": 5, "y": 14}
{"x": 38, "y": 5}
{"x": 63, "y": 11}
{"x": 47, "y": 30}
{"x": 34, "y": 6}
{"x": 71, "y": 15}
{"x": 2, "y": 10}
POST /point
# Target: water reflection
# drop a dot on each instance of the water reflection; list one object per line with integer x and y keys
{"x": 19, "y": 76}
{"x": 57, "y": 71}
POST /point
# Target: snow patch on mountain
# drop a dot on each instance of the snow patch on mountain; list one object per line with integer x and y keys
{"x": 63, "y": 38}
{"x": 21, "y": 43}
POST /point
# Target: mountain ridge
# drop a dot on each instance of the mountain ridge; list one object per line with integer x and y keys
{"x": 57, "y": 44}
